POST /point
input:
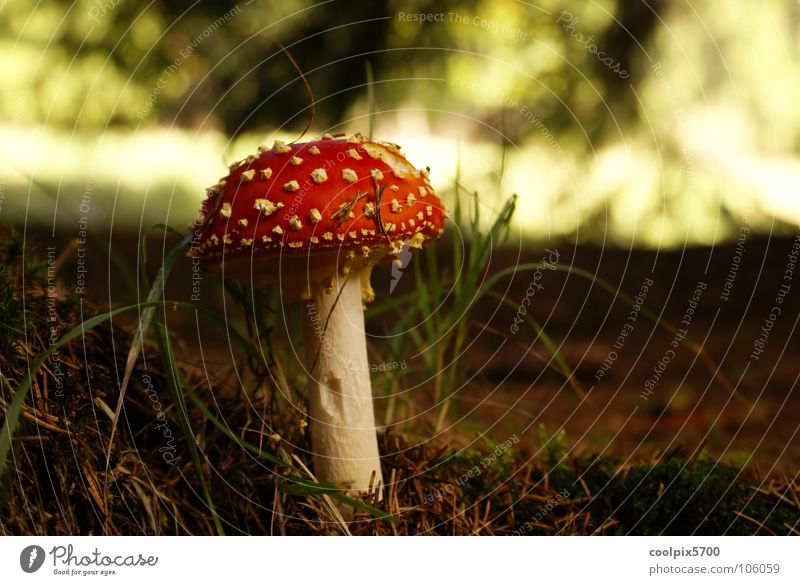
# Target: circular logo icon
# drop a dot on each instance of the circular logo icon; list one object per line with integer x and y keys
{"x": 31, "y": 558}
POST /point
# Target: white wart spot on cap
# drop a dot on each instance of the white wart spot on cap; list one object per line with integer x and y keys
{"x": 279, "y": 147}
{"x": 266, "y": 207}
{"x": 411, "y": 200}
{"x": 374, "y": 150}
{"x": 242, "y": 223}
{"x": 266, "y": 173}
{"x": 291, "y": 186}
{"x": 248, "y": 175}
{"x": 369, "y": 209}
{"x": 277, "y": 230}
{"x": 313, "y": 150}
{"x": 353, "y": 153}
{"x": 416, "y": 240}
{"x": 226, "y": 210}
{"x": 295, "y": 223}
{"x": 295, "y": 160}
{"x": 349, "y": 175}
{"x": 377, "y": 174}
{"x": 396, "y": 207}
{"x": 316, "y": 216}
{"x": 319, "y": 175}
{"x": 423, "y": 192}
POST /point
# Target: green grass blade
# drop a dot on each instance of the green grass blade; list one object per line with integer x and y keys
{"x": 359, "y": 505}
{"x": 423, "y": 303}
{"x": 305, "y": 488}
{"x": 5, "y": 486}
{"x": 175, "y": 382}
{"x": 15, "y": 407}
{"x": 228, "y": 433}
{"x": 458, "y": 238}
{"x": 687, "y": 341}
{"x": 503, "y": 153}
{"x": 143, "y": 250}
{"x": 387, "y": 305}
{"x": 145, "y": 321}
{"x": 370, "y": 98}
{"x": 291, "y": 485}
{"x": 21, "y": 393}
{"x": 561, "y": 363}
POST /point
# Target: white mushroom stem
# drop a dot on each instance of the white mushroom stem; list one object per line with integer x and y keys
{"x": 343, "y": 435}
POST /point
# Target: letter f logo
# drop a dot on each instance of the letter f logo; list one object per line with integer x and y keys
{"x": 31, "y": 558}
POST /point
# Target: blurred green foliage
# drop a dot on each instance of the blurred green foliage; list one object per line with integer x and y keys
{"x": 91, "y": 64}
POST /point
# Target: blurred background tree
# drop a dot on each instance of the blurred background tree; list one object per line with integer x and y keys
{"x": 77, "y": 55}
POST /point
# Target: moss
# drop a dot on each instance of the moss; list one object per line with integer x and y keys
{"x": 608, "y": 496}
{"x": 480, "y": 475}
{"x": 675, "y": 498}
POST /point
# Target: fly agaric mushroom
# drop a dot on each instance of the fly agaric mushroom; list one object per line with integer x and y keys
{"x": 314, "y": 218}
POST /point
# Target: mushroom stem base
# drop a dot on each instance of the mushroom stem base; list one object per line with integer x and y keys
{"x": 341, "y": 408}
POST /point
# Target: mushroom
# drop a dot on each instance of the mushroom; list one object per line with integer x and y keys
{"x": 313, "y": 218}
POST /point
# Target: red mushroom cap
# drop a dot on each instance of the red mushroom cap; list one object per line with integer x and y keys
{"x": 320, "y": 196}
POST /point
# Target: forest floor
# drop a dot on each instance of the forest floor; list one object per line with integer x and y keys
{"x": 711, "y": 449}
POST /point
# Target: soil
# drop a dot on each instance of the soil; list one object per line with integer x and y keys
{"x": 741, "y": 407}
